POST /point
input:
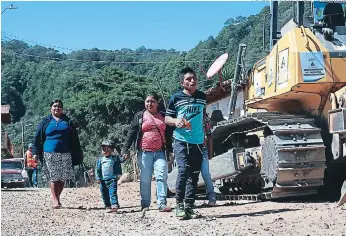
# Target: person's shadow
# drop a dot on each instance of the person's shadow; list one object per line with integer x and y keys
{"x": 257, "y": 213}
{"x": 103, "y": 209}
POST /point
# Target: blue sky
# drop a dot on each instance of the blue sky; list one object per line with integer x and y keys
{"x": 116, "y": 25}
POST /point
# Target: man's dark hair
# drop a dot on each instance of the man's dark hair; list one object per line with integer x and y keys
{"x": 185, "y": 71}
{"x": 56, "y": 101}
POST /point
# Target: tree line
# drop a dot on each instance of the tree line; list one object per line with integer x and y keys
{"x": 102, "y": 94}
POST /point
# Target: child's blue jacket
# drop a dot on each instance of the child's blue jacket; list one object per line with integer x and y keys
{"x": 116, "y": 168}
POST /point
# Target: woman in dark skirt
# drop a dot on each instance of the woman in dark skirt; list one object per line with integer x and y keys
{"x": 57, "y": 145}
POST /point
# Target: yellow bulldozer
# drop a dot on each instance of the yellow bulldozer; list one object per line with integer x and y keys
{"x": 282, "y": 132}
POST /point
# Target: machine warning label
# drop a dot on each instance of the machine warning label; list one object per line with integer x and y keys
{"x": 271, "y": 72}
{"x": 282, "y": 76}
{"x": 312, "y": 66}
{"x": 258, "y": 84}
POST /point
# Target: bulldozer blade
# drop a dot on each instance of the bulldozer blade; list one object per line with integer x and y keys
{"x": 343, "y": 195}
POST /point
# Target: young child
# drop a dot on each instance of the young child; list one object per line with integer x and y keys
{"x": 108, "y": 171}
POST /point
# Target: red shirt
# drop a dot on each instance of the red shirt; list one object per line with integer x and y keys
{"x": 151, "y": 138}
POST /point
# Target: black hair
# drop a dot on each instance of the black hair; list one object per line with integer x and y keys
{"x": 185, "y": 71}
{"x": 154, "y": 95}
{"x": 56, "y": 101}
{"x": 161, "y": 105}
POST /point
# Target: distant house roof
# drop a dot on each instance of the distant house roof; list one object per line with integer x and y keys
{"x": 6, "y": 143}
{"x": 5, "y": 109}
{"x": 217, "y": 93}
{"x": 5, "y": 114}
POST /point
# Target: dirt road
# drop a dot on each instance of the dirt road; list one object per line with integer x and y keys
{"x": 28, "y": 212}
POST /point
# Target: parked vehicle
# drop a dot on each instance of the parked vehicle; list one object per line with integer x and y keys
{"x": 13, "y": 174}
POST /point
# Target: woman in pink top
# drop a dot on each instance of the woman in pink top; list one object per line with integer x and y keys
{"x": 148, "y": 133}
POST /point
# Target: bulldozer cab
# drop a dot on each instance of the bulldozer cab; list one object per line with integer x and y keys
{"x": 329, "y": 14}
{"x": 329, "y": 20}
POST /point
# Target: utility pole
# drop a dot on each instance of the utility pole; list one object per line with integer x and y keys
{"x": 11, "y": 7}
{"x": 23, "y": 147}
{"x": 23, "y": 143}
{"x": 162, "y": 94}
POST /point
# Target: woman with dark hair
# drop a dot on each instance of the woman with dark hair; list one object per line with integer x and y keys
{"x": 56, "y": 144}
{"x": 150, "y": 137}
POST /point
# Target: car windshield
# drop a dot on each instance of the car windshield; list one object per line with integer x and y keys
{"x": 11, "y": 165}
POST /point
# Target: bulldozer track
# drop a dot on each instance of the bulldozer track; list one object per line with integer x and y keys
{"x": 293, "y": 151}
{"x": 250, "y": 197}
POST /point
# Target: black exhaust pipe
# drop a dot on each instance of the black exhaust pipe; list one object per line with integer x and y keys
{"x": 273, "y": 23}
{"x": 300, "y": 13}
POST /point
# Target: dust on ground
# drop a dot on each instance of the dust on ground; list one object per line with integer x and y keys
{"x": 29, "y": 212}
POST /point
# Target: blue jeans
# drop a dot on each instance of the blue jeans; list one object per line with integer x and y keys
{"x": 109, "y": 194}
{"x": 207, "y": 178}
{"x": 149, "y": 162}
{"x": 32, "y": 177}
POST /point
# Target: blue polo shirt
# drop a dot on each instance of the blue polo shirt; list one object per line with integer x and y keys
{"x": 191, "y": 108}
{"x": 57, "y": 137}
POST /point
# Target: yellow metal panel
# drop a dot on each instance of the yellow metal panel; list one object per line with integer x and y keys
{"x": 271, "y": 73}
{"x": 309, "y": 65}
{"x": 339, "y": 69}
{"x": 285, "y": 64}
{"x": 307, "y": 79}
{"x": 257, "y": 82}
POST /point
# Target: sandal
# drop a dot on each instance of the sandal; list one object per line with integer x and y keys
{"x": 113, "y": 209}
{"x": 57, "y": 207}
{"x": 165, "y": 209}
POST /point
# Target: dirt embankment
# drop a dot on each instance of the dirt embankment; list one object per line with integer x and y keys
{"x": 28, "y": 212}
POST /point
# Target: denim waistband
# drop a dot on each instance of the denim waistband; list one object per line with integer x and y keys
{"x": 160, "y": 150}
{"x": 186, "y": 143}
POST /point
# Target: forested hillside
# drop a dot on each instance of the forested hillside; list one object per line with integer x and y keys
{"x": 102, "y": 90}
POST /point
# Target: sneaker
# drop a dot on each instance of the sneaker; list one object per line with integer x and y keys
{"x": 164, "y": 208}
{"x": 211, "y": 204}
{"x": 145, "y": 208}
{"x": 180, "y": 211}
{"x": 192, "y": 214}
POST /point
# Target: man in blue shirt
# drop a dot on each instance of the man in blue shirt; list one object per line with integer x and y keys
{"x": 185, "y": 111}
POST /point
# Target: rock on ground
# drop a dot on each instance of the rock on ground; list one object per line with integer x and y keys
{"x": 29, "y": 212}
{"x": 125, "y": 178}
